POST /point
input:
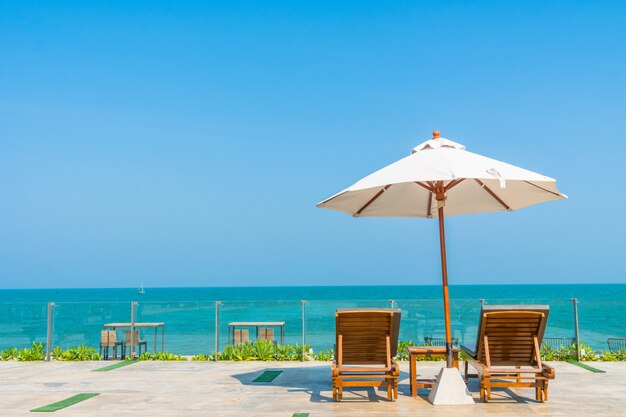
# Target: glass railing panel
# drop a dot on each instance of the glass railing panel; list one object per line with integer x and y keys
{"x": 560, "y": 319}
{"x": 600, "y": 319}
{"x": 22, "y": 324}
{"x": 320, "y": 319}
{"x": 423, "y": 321}
{"x": 179, "y": 327}
{"x": 289, "y": 313}
{"x": 76, "y": 323}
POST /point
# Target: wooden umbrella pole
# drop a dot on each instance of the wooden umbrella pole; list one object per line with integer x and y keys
{"x": 444, "y": 278}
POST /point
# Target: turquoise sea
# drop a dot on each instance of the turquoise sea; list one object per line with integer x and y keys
{"x": 189, "y": 314}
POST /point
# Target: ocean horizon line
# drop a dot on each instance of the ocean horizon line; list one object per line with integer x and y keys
{"x": 507, "y": 284}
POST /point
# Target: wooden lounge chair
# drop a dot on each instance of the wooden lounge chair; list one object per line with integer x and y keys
{"x": 507, "y": 352}
{"x": 616, "y": 344}
{"x": 557, "y": 343}
{"x": 439, "y": 341}
{"x": 366, "y": 344}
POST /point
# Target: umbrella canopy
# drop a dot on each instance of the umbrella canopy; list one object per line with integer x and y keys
{"x": 441, "y": 173}
{"x": 481, "y": 184}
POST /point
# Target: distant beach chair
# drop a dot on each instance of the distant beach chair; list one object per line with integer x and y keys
{"x": 366, "y": 345}
{"x": 266, "y": 333}
{"x": 240, "y": 336}
{"x": 616, "y": 344}
{"x": 439, "y": 341}
{"x": 138, "y": 342}
{"x": 507, "y": 351}
{"x": 107, "y": 340}
{"x": 558, "y": 343}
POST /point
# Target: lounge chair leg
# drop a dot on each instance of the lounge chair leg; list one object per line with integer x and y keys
{"x": 466, "y": 372}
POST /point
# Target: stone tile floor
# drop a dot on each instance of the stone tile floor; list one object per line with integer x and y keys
{"x": 226, "y": 389}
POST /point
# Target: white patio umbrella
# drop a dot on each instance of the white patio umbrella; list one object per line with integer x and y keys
{"x": 441, "y": 176}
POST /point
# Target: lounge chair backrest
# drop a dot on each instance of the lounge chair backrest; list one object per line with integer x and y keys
{"x": 367, "y": 335}
{"x": 107, "y": 338}
{"x": 511, "y": 335}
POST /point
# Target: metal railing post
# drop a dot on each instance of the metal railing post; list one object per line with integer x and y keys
{"x": 575, "y": 302}
{"x": 392, "y": 303}
{"x": 303, "y": 302}
{"x": 49, "y": 332}
{"x": 133, "y": 307}
{"x": 217, "y": 330}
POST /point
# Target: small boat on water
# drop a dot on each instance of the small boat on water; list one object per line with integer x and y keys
{"x": 141, "y": 290}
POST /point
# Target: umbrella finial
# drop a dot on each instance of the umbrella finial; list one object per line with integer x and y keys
{"x": 435, "y": 134}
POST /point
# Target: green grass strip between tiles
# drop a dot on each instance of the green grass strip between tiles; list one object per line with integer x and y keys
{"x": 585, "y": 366}
{"x": 267, "y": 376}
{"x": 115, "y": 366}
{"x": 64, "y": 403}
{"x": 300, "y": 415}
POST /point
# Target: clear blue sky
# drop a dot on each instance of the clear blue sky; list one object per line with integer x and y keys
{"x": 186, "y": 143}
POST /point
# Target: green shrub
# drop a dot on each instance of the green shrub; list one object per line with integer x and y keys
{"x": 265, "y": 350}
{"x": 35, "y": 353}
{"x": 621, "y": 355}
{"x": 324, "y": 355}
{"x": 160, "y": 356}
{"x": 286, "y": 353}
{"x": 207, "y": 357}
{"x": 79, "y": 353}
{"x": 9, "y": 354}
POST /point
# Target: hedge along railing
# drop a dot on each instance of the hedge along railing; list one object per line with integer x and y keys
{"x": 263, "y": 350}
{"x": 72, "y": 324}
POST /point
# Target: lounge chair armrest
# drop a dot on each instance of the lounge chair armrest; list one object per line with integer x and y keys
{"x": 469, "y": 350}
{"x": 547, "y": 371}
{"x": 480, "y": 367}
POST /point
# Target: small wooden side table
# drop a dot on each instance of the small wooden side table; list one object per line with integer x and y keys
{"x": 427, "y": 352}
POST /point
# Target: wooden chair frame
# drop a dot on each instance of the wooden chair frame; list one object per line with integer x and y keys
{"x": 513, "y": 357}
{"x": 366, "y": 366}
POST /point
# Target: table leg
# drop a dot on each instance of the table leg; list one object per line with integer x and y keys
{"x": 413, "y": 376}
{"x": 163, "y": 338}
{"x": 282, "y": 335}
{"x": 155, "y": 332}
{"x": 228, "y": 340}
